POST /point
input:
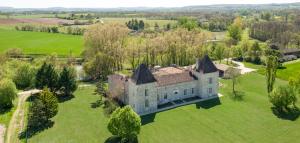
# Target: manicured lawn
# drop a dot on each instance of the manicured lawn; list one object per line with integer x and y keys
{"x": 40, "y": 43}
{"x": 290, "y": 69}
{"x": 249, "y": 119}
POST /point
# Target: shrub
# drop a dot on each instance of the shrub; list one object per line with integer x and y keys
{"x": 125, "y": 123}
{"x": 14, "y": 53}
{"x": 109, "y": 106}
{"x": 283, "y": 97}
{"x": 24, "y": 76}
{"x": 8, "y": 92}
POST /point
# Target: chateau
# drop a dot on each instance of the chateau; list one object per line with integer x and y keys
{"x": 148, "y": 91}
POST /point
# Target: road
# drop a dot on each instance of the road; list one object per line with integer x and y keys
{"x": 242, "y": 67}
{"x": 16, "y": 122}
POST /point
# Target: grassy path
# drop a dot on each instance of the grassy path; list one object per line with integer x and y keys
{"x": 16, "y": 123}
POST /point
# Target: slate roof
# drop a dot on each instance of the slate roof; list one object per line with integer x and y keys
{"x": 142, "y": 75}
{"x": 205, "y": 65}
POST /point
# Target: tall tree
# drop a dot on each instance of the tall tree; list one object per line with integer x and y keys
{"x": 233, "y": 74}
{"x": 271, "y": 69}
{"x": 47, "y": 77}
{"x": 235, "y": 30}
{"x": 109, "y": 39}
{"x": 100, "y": 66}
{"x": 50, "y": 101}
{"x": 67, "y": 81}
{"x": 219, "y": 52}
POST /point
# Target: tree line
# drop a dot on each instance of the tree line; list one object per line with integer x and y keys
{"x": 72, "y": 30}
{"x": 108, "y": 47}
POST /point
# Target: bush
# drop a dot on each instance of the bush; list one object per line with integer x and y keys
{"x": 8, "y": 92}
{"x": 283, "y": 97}
{"x": 24, "y": 76}
{"x": 14, "y": 53}
{"x": 125, "y": 123}
{"x": 109, "y": 106}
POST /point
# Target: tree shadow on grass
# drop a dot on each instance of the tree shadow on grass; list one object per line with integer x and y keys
{"x": 96, "y": 104}
{"x": 62, "y": 99}
{"x": 116, "y": 139}
{"x": 146, "y": 119}
{"x": 4, "y": 110}
{"x": 30, "y": 132}
{"x": 292, "y": 114}
{"x": 208, "y": 103}
{"x": 237, "y": 96}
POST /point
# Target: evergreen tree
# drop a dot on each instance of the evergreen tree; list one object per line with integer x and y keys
{"x": 67, "y": 81}
{"x": 37, "y": 116}
{"x": 50, "y": 101}
{"x": 40, "y": 79}
{"x": 141, "y": 25}
{"x": 47, "y": 77}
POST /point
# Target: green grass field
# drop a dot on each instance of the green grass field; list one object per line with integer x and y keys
{"x": 290, "y": 69}
{"x": 40, "y": 43}
{"x": 249, "y": 119}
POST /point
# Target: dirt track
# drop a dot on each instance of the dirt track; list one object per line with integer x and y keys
{"x": 16, "y": 122}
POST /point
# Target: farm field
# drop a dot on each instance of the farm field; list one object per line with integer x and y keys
{"x": 40, "y": 43}
{"x": 249, "y": 119}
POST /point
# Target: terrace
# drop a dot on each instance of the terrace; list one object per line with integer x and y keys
{"x": 182, "y": 102}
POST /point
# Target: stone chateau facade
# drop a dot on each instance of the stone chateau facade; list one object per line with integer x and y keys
{"x": 148, "y": 91}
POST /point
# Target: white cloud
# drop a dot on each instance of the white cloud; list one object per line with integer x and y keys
{"x": 126, "y": 3}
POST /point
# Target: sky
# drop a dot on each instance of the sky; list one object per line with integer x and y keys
{"x": 126, "y": 3}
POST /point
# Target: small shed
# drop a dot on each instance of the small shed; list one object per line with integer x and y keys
{"x": 223, "y": 70}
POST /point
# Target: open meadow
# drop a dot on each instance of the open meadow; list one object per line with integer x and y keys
{"x": 248, "y": 118}
{"x": 40, "y": 43}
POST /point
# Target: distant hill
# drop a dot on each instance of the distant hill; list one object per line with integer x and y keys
{"x": 164, "y": 9}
